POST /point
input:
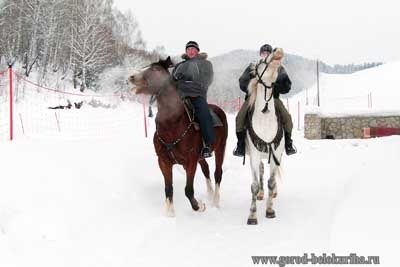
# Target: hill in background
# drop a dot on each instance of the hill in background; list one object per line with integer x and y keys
{"x": 228, "y": 68}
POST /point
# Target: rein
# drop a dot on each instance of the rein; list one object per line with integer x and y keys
{"x": 153, "y": 99}
{"x": 261, "y": 145}
{"x": 266, "y": 87}
{"x": 170, "y": 146}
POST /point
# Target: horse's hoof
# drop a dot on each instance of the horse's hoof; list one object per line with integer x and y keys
{"x": 170, "y": 214}
{"x": 270, "y": 214}
{"x": 210, "y": 191}
{"x": 260, "y": 196}
{"x": 170, "y": 211}
{"x": 252, "y": 221}
{"x": 202, "y": 206}
{"x": 216, "y": 201}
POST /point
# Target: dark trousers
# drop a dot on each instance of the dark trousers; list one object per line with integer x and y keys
{"x": 204, "y": 117}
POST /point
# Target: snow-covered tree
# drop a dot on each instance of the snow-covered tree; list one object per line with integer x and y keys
{"x": 77, "y": 38}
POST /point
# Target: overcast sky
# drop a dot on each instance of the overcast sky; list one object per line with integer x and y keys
{"x": 336, "y": 31}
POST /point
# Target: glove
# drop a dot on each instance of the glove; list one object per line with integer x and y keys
{"x": 252, "y": 70}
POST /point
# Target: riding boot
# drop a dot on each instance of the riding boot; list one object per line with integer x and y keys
{"x": 290, "y": 150}
{"x": 240, "y": 146}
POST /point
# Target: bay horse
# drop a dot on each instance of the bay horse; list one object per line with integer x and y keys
{"x": 176, "y": 141}
{"x": 264, "y": 135}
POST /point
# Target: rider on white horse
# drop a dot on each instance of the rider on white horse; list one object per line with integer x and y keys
{"x": 282, "y": 85}
{"x": 264, "y": 138}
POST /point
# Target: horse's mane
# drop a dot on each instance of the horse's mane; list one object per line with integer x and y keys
{"x": 252, "y": 89}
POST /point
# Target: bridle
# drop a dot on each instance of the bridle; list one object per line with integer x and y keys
{"x": 266, "y": 87}
{"x": 260, "y": 144}
{"x": 154, "y": 96}
{"x": 169, "y": 146}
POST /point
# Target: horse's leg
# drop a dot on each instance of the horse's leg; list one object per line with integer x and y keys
{"x": 255, "y": 170}
{"x": 189, "y": 191}
{"x": 272, "y": 190}
{"x": 206, "y": 171}
{"x": 166, "y": 169}
{"x": 219, "y": 160}
{"x": 260, "y": 195}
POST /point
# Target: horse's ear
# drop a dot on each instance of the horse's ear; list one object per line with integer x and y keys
{"x": 168, "y": 62}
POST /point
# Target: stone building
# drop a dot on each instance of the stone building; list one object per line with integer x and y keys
{"x": 346, "y": 126}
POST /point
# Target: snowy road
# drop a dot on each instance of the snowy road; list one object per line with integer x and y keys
{"x": 104, "y": 205}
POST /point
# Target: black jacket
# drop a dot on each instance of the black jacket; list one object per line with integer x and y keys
{"x": 193, "y": 76}
{"x": 282, "y": 84}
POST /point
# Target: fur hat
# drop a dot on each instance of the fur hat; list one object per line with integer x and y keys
{"x": 192, "y": 44}
{"x": 201, "y": 55}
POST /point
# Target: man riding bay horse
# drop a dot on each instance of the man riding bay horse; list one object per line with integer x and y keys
{"x": 193, "y": 76}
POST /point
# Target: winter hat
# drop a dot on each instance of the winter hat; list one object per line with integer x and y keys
{"x": 192, "y": 44}
{"x": 266, "y": 48}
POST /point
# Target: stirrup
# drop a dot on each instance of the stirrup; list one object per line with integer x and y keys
{"x": 238, "y": 152}
{"x": 206, "y": 152}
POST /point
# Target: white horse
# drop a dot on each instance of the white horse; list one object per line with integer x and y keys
{"x": 264, "y": 135}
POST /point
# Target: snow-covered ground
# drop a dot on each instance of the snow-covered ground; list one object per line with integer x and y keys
{"x": 96, "y": 197}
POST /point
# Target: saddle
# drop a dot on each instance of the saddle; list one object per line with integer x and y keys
{"x": 216, "y": 121}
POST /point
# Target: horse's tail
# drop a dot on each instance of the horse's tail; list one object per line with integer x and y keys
{"x": 222, "y": 116}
